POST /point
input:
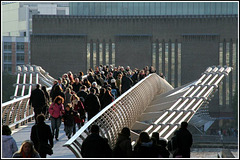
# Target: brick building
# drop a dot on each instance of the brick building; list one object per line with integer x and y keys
{"x": 180, "y": 46}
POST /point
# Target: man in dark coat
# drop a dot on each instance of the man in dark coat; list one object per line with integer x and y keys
{"x": 82, "y": 94}
{"x": 95, "y": 146}
{"x": 92, "y": 104}
{"x": 126, "y": 82}
{"x": 184, "y": 140}
{"x": 37, "y": 100}
{"x": 41, "y": 132}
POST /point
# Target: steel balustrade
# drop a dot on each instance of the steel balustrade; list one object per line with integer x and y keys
{"x": 18, "y": 111}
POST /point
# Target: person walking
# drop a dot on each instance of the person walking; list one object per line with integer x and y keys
{"x": 145, "y": 147}
{"x": 57, "y": 92}
{"x": 26, "y": 150}
{"x": 68, "y": 96}
{"x": 78, "y": 107}
{"x": 41, "y": 133}
{"x": 56, "y": 111}
{"x": 68, "y": 119}
{"x": 9, "y": 145}
{"x": 184, "y": 140}
{"x": 95, "y": 146}
{"x": 123, "y": 147}
{"x": 37, "y": 100}
{"x": 108, "y": 98}
{"x": 161, "y": 145}
{"x": 47, "y": 98}
{"x": 92, "y": 104}
{"x": 126, "y": 83}
{"x": 82, "y": 94}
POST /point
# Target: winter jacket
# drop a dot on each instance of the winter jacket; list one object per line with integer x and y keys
{"x": 146, "y": 150}
{"x": 94, "y": 146}
{"x": 184, "y": 142}
{"x": 76, "y": 87}
{"x": 19, "y": 155}
{"x": 123, "y": 147}
{"x": 9, "y": 146}
{"x": 57, "y": 93}
{"x": 37, "y": 99}
{"x": 79, "y": 108}
{"x": 56, "y": 110}
{"x": 68, "y": 117}
{"x": 67, "y": 98}
{"x": 44, "y": 134}
{"x": 92, "y": 105}
{"x": 107, "y": 99}
{"x": 126, "y": 83}
{"x": 82, "y": 95}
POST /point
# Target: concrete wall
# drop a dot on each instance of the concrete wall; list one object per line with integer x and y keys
{"x": 59, "y": 54}
{"x": 159, "y": 27}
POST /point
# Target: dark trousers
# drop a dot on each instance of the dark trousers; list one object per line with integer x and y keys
{"x": 79, "y": 126}
{"x": 37, "y": 111}
{"x": 43, "y": 155}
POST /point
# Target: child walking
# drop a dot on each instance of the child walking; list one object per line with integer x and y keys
{"x": 68, "y": 119}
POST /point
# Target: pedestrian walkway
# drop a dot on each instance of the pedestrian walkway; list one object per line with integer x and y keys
{"x": 23, "y": 133}
{"x": 59, "y": 151}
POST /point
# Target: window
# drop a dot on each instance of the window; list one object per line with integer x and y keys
{"x": 88, "y": 56}
{"x": 20, "y": 46}
{"x": 160, "y": 57}
{"x": 100, "y": 53}
{"x": 221, "y": 64}
{"x": 7, "y": 46}
{"x": 20, "y": 57}
{"x": 173, "y": 64}
{"x": 234, "y": 72}
{"x": 166, "y": 60}
{"x": 107, "y": 53}
{"x": 154, "y": 55}
{"x": 7, "y": 57}
{"x": 179, "y": 64}
{"x": 94, "y": 55}
{"x": 113, "y": 54}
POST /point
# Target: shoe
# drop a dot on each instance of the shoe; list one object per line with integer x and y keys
{"x": 69, "y": 137}
{"x": 56, "y": 139}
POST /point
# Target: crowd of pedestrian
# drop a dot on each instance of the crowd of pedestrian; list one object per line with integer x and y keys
{"x": 72, "y": 100}
{"x": 95, "y": 146}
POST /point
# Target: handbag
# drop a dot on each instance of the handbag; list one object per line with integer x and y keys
{"x": 44, "y": 147}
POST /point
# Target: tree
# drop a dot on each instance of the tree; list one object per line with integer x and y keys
{"x": 7, "y": 86}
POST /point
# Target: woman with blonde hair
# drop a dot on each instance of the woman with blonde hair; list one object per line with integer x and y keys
{"x": 26, "y": 150}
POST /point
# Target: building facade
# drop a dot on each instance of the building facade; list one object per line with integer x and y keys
{"x": 17, "y": 25}
{"x": 15, "y": 52}
{"x": 181, "y": 46}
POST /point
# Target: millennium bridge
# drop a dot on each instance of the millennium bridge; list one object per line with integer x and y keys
{"x": 151, "y": 105}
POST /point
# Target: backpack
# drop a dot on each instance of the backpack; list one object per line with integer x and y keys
{"x": 172, "y": 145}
{"x": 114, "y": 93}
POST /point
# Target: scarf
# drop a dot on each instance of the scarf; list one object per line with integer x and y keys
{"x": 24, "y": 156}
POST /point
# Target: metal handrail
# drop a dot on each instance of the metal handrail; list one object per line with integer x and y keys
{"x": 17, "y": 111}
